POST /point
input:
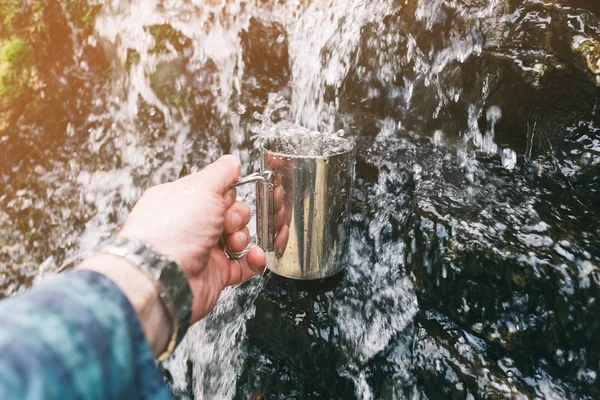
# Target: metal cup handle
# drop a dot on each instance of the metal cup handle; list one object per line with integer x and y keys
{"x": 256, "y": 177}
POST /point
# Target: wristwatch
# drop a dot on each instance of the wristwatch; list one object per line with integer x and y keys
{"x": 175, "y": 292}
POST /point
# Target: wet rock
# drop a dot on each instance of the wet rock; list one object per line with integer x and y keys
{"x": 38, "y": 51}
{"x": 449, "y": 363}
{"x": 539, "y": 37}
{"x": 170, "y": 82}
{"x": 587, "y": 5}
{"x": 167, "y": 39}
{"x": 546, "y": 55}
{"x": 505, "y": 276}
{"x": 536, "y": 61}
{"x": 299, "y": 354}
{"x": 588, "y": 185}
{"x": 537, "y": 119}
{"x": 16, "y": 69}
{"x": 589, "y": 50}
{"x": 266, "y": 65}
{"x": 83, "y": 13}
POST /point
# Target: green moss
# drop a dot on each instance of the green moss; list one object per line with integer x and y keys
{"x": 25, "y": 36}
{"x": 26, "y": 19}
{"x": 16, "y": 68}
{"x": 165, "y": 34}
{"x": 83, "y": 14}
{"x": 8, "y": 10}
{"x": 589, "y": 49}
{"x": 164, "y": 83}
{"x": 23, "y": 19}
{"x": 170, "y": 96}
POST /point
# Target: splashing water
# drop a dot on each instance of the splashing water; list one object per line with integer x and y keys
{"x": 473, "y": 265}
{"x": 293, "y": 140}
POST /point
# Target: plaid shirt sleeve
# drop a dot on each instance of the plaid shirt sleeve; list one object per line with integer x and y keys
{"x": 77, "y": 337}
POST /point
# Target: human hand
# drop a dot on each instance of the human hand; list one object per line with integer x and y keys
{"x": 184, "y": 220}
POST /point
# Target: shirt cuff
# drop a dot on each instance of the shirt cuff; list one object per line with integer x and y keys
{"x": 77, "y": 336}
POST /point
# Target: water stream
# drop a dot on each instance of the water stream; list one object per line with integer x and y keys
{"x": 474, "y": 251}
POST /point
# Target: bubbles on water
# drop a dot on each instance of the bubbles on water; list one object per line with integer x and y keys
{"x": 213, "y": 346}
{"x": 294, "y": 140}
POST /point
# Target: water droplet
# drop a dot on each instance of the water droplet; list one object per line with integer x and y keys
{"x": 586, "y": 159}
{"x": 493, "y": 114}
{"x": 438, "y": 138}
{"x": 70, "y": 130}
{"x": 509, "y": 159}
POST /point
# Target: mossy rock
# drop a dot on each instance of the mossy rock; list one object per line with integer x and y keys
{"x": 587, "y": 186}
{"x": 169, "y": 83}
{"x": 446, "y": 368}
{"x": 17, "y": 68}
{"x": 166, "y": 37}
{"x": 589, "y": 49}
{"x": 83, "y": 14}
{"x": 24, "y": 19}
{"x": 36, "y": 47}
{"x": 18, "y": 80}
{"x": 510, "y": 301}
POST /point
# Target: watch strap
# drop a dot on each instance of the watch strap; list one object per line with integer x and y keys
{"x": 175, "y": 292}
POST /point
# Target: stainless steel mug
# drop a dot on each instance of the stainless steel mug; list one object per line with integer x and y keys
{"x": 302, "y": 209}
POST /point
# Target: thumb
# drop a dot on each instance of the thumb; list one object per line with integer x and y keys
{"x": 221, "y": 174}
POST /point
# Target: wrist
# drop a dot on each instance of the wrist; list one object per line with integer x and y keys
{"x": 142, "y": 291}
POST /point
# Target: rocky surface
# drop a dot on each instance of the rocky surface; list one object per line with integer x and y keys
{"x": 474, "y": 261}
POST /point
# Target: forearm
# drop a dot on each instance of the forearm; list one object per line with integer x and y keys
{"x": 75, "y": 337}
{"x": 143, "y": 294}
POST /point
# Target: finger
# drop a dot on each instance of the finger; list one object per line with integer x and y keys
{"x": 229, "y": 197}
{"x": 246, "y": 267}
{"x": 257, "y": 260}
{"x": 238, "y": 241}
{"x": 221, "y": 174}
{"x": 236, "y": 217}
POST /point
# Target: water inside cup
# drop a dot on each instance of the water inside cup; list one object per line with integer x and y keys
{"x": 297, "y": 141}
